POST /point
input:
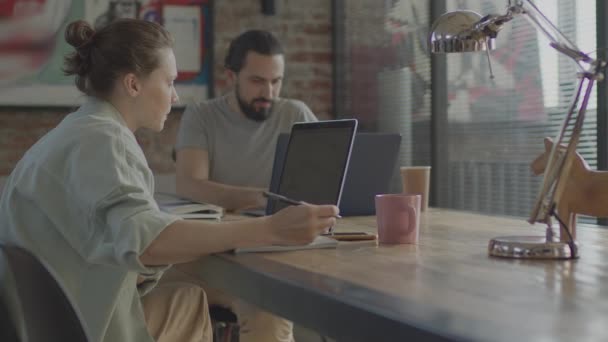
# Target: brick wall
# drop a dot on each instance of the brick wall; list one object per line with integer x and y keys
{"x": 304, "y": 27}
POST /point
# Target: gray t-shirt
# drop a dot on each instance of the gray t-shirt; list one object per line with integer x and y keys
{"x": 241, "y": 151}
{"x": 81, "y": 199}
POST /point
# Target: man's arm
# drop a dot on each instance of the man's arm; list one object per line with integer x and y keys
{"x": 192, "y": 171}
{"x": 188, "y": 240}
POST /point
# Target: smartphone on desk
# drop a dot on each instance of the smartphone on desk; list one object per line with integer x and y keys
{"x": 351, "y": 236}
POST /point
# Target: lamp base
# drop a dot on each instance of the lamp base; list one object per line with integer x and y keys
{"x": 530, "y": 247}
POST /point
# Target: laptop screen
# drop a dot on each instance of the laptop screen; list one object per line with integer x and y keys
{"x": 373, "y": 169}
{"x": 315, "y": 163}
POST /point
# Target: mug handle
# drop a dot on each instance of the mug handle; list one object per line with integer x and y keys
{"x": 411, "y": 216}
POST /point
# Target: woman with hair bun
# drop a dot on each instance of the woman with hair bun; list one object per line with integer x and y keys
{"x": 81, "y": 199}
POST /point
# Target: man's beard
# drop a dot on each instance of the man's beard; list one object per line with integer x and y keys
{"x": 249, "y": 109}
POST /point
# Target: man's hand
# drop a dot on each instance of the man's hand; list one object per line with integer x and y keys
{"x": 298, "y": 225}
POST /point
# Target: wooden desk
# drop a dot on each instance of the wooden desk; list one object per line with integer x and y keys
{"x": 445, "y": 288}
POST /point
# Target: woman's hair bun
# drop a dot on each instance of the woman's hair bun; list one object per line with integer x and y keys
{"x": 102, "y": 56}
{"x": 79, "y": 33}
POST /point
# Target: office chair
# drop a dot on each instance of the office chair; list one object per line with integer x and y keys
{"x": 224, "y": 324}
{"x": 40, "y": 309}
{"x": 8, "y": 333}
{"x": 223, "y": 320}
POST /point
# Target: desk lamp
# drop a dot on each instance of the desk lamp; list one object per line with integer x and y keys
{"x": 467, "y": 31}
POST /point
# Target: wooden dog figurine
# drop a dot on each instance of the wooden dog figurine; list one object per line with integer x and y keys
{"x": 585, "y": 192}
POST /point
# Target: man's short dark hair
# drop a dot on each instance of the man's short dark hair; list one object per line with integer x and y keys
{"x": 262, "y": 42}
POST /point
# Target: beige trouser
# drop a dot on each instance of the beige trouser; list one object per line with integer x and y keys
{"x": 177, "y": 312}
{"x": 255, "y": 325}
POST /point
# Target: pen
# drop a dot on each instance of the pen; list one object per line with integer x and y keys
{"x": 287, "y": 200}
{"x": 272, "y": 195}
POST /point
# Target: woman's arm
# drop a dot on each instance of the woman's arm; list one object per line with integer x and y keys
{"x": 187, "y": 240}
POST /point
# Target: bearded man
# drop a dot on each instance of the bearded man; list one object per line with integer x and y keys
{"x": 225, "y": 151}
{"x": 225, "y": 146}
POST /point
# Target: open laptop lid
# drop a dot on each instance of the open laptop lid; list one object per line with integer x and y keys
{"x": 372, "y": 170}
{"x": 315, "y": 163}
{"x": 279, "y": 160}
{"x": 277, "y": 167}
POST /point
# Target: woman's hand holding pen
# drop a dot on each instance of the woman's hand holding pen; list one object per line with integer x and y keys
{"x": 298, "y": 225}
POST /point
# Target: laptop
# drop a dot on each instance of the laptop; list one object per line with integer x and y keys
{"x": 373, "y": 169}
{"x": 310, "y": 163}
{"x": 315, "y": 163}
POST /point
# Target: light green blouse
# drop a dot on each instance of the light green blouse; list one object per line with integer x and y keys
{"x": 81, "y": 199}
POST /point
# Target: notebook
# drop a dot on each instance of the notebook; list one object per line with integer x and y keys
{"x": 186, "y": 208}
{"x": 319, "y": 242}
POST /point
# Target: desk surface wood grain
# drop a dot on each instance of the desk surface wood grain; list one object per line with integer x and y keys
{"x": 446, "y": 287}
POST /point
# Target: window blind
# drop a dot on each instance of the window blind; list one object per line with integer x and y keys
{"x": 384, "y": 70}
{"x": 495, "y": 127}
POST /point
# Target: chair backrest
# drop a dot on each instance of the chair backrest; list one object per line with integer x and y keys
{"x": 43, "y": 312}
{"x": 8, "y": 331}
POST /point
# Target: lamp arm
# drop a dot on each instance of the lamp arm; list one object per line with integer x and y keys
{"x": 558, "y": 167}
{"x": 490, "y": 25}
{"x": 591, "y": 70}
{"x": 557, "y": 39}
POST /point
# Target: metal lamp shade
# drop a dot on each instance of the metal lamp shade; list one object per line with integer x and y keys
{"x": 452, "y": 32}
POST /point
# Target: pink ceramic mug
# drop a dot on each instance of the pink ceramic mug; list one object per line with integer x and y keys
{"x": 398, "y": 217}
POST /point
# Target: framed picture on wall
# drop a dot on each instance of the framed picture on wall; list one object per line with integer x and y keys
{"x": 189, "y": 21}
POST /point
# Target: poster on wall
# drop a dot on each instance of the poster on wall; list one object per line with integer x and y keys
{"x": 187, "y": 20}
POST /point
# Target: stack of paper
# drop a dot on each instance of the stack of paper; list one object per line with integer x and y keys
{"x": 318, "y": 242}
{"x": 186, "y": 208}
